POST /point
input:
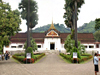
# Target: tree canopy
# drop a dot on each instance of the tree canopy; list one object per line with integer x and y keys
{"x": 9, "y": 23}
{"x": 70, "y": 11}
{"x": 97, "y": 35}
{"x": 85, "y": 28}
{"x": 70, "y": 44}
{"x": 97, "y": 24}
{"x": 33, "y": 12}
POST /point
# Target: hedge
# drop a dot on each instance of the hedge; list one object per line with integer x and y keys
{"x": 67, "y": 57}
{"x": 23, "y": 59}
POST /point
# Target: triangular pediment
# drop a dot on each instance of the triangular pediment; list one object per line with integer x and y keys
{"x": 52, "y": 33}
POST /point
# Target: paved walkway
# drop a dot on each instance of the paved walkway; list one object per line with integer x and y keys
{"x": 49, "y": 65}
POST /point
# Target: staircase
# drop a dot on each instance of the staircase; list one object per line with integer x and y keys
{"x": 51, "y": 52}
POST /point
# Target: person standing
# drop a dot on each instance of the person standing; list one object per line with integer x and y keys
{"x": 6, "y": 55}
{"x": 95, "y": 60}
{"x": 9, "y": 55}
{"x": 0, "y": 57}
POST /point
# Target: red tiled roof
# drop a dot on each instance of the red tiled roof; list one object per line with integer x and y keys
{"x": 24, "y": 35}
{"x": 83, "y": 37}
{"x": 39, "y": 37}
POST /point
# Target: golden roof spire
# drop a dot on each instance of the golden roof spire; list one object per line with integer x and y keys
{"x": 52, "y": 26}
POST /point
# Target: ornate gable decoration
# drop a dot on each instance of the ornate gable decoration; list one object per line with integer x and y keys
{"x": 52, "y": 33}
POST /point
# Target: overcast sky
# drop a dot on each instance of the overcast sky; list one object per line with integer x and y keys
{"x": 49, "y": 9}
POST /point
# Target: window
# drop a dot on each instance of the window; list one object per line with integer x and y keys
{"x": 91, "y": 46}
{"x": 13, "y": 46}
{"x": 20, "y": 46}
{"x": 39, "y": 46}
{"x": 85, "y": 46}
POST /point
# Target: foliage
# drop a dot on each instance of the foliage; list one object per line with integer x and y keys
{"x": 29, "y": 50}
{"x": 33, "y": 44}
{"x": 85, "y": 28}
{"x": 75, "y": 50}
{"x": 22, "y": 59}
{"x": 97, "y": 35}
{"x": 97, "y": 24}
{"x": 33, "y": 12}
{"x": 70, "y": 44}
{"x": 84, "y": 57}
{"x": 59, "y": 27}
{"x": 9, "y": 23}
{"x": 25, "y": 60}
{"x": 70, "y": 11}
{"x": 0, "y": 52}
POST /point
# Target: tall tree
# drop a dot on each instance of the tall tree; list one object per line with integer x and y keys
{"x": 72, "y": 10}
{"x": 97, "y": 35}
{"x": 31, "y": 6}
{"x": 9, "y": 23}
{"x": 33, "y": 12}
{"x": 69, "y": 15}
{"x": 97, "y": 24}
{"x": 33, "y": 44}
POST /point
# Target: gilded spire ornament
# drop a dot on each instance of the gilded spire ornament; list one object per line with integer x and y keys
{"x": 52, "y": 26}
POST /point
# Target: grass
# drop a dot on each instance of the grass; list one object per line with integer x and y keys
{"x": 83, "y": 57}
{"x": 67, "y": 61}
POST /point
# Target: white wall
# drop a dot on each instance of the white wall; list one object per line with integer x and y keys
{"x": 46, "y": 46}
{"x": 92, "y": 49}
{"x": 47, "y": 42}
{"x": 13, "y": 49}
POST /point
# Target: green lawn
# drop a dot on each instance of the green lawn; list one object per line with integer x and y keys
{"x": 83, "y": 57}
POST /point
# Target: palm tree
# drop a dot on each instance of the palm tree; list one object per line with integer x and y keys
{"x": 72, "y": 10}
{"x": 29, "y": 13}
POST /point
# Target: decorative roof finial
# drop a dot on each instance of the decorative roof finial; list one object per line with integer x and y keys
{"x": 52, "y": 26}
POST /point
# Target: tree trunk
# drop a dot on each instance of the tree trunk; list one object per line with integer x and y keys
{"x": 28, "y": 32}
{"x": 73, "y": 27}
{"x": 31, "y": 32}
{"x": 76, "y": 44}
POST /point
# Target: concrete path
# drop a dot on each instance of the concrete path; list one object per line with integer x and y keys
{"x": 51, "y": 64}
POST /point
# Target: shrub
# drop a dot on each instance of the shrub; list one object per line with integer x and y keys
{"x": 25, "y": 60}
{"x": 22, "y": 59}
{"x": 67, "y": 57}
{"x": 0, "y": 52}
{"x": 29, "y": 50}
{"x": 75, "y": 50}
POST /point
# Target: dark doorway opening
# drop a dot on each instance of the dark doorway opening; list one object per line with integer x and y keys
{"x": 97, "y": 45}
{"x": 52, "y": 46}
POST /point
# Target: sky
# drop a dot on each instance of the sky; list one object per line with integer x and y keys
{"x": 53, "y": 9}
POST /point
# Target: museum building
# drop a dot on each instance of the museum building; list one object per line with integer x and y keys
{"x": 51, "y": 39}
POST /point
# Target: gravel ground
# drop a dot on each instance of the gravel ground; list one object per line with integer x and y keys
{"x": 51, "y": 64}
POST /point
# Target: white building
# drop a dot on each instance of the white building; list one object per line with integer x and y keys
{"x": 52, "y": 39}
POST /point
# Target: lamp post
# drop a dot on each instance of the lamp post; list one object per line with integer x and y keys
{"x": 28, "y": 32}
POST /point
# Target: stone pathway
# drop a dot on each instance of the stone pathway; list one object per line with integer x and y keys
{"x": 51, "y": 64}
